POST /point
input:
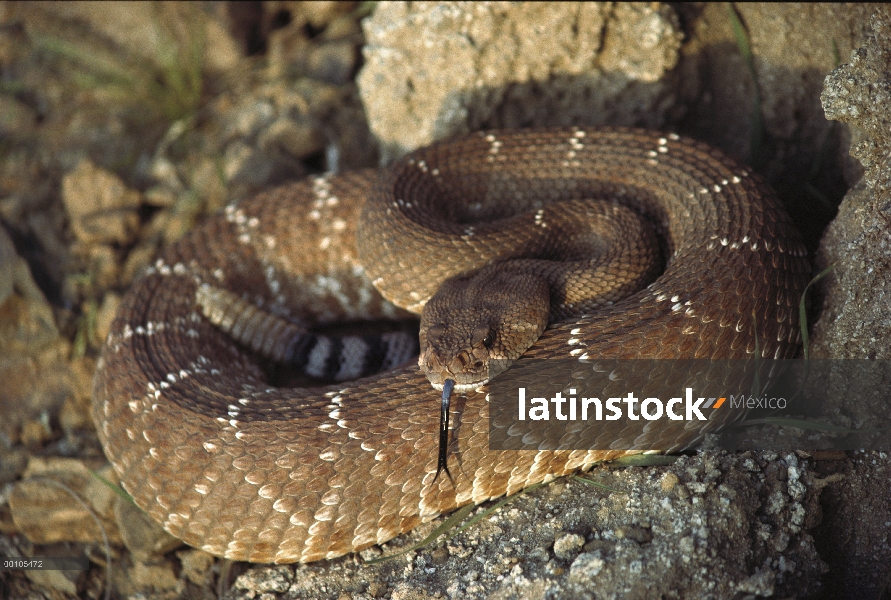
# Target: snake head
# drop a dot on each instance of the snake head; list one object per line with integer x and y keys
{"x": 475, "y": 326}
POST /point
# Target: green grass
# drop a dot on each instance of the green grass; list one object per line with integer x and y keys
{"x": 167, "y": 88}
{"x": 86, "y": 330}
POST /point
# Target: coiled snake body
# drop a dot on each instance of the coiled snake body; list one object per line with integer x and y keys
{"x": 252, "y": 472}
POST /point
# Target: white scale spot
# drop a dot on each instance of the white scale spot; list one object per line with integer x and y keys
{"x": 735, "y": 179}
{"x": 325, "y": 243}
{"x": 539, "y": 218}
{"x": 716, "y": 187}
{"x": 674, "y": 136}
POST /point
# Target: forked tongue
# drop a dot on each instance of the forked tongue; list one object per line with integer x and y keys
{"x": 442, "y": 461}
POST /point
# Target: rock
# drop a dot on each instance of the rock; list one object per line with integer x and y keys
{"x": 107, "y": 311}
{"x": 9, "y": 260}
{"x": 567, "y": 545}
{"x": 855, "y": 321}
{"x": 299, "y": 138}
{"x": 61, "y": 581}
{"x": 75, "y": 412}
{"x": 586, "y": 567}
{"x": 138, "y": 578}
{"x": 258, "y": 581}
{"x": 320, "y": 14}
{"x": 142, "y": 536}
{"x": 853, "y": 538}
{"x": 16, "y": 118}
{"x": 34, "y": 371}
{"x": 44, "y": 510}
{"x": 333, "y": 62}
{"x": 644, "y": 542}
{"x": 99, "y": 205}
{"x": 512, "y": 65}
{"x": 196, "y": 566}
{"x": 28, "y": 324}
{"x": 12, "y": 463}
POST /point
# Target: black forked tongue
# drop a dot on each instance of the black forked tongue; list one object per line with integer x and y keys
{"x": 442, "y": 461}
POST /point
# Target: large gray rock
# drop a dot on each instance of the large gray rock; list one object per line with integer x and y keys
{"x": 439, "y": 69}
{"x": 856, "y": 320}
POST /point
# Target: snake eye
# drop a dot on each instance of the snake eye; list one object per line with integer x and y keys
{"x": 489, "y": 339}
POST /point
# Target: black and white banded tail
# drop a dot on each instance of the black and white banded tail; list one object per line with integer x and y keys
{"x": 324, "y": 357}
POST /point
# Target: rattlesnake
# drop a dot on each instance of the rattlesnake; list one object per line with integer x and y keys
{"x": 244, "y": 470}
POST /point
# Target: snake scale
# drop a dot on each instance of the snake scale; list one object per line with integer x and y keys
{"x": 252, "y": 472}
